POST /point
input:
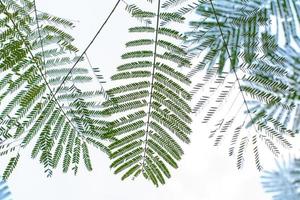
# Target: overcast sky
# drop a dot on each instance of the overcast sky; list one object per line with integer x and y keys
{"x": 205, "y": 173}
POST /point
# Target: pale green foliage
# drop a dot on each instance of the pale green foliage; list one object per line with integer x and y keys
{"x": 283, "y": 182}
{"x": 5, "y": 194}
{"x": 234, "y": 39}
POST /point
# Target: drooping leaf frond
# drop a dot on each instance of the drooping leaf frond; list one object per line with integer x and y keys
{"x": 38, "y": 101}
{"x": 242, "y": 61}
{"x": 149, "y": 106}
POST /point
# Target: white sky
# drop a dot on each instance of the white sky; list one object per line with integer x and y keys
{"x": 205, "y": 173}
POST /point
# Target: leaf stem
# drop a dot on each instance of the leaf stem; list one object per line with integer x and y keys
{"x": 152, "y": 83}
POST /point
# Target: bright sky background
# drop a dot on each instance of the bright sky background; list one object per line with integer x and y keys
{"x": 205, "y": 173}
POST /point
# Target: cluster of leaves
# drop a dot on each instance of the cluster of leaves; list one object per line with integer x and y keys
{"x": 283, "y": 182}
{"x": 45, "y": 100}
{"x": 238, "y": 48}
{"x": 149, "y": 104}
{"x": 40, "y": 100}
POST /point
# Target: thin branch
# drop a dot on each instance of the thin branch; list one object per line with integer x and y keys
{"x": 88, "y": 46}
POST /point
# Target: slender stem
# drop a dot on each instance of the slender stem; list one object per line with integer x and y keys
{"x": 152, "y": 84}
{"x": 88, "y": 46}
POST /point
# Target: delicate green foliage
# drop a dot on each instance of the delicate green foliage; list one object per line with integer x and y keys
{"x": 171, "y": 17}
{"x": 36, "y": 56}
{"x": 172, "y": 3}
{"x": 45, "y": 100}
{"x": 10, "y": 167}
{"x": 149, "y": 106}
{"x": 182, "y": 7}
